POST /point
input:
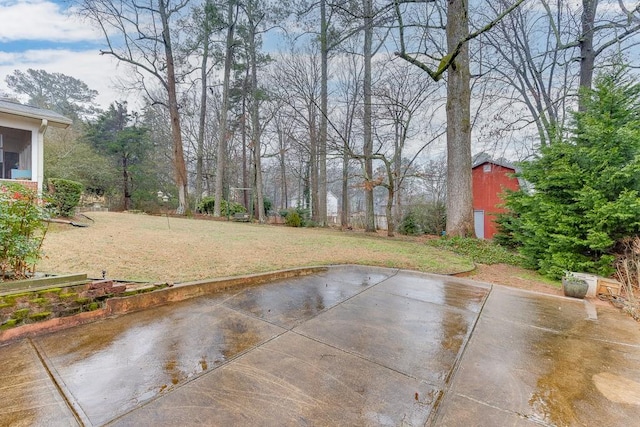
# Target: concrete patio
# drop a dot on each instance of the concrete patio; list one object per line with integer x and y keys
{"x": 350, "y": 346}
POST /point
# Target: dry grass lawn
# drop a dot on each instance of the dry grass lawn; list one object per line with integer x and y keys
{"x": 157, "y": 248}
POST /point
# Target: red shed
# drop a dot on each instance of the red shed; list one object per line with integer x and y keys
{"x": 490, "y": 179}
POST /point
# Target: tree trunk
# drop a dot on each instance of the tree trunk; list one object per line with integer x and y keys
{"x": 176, "y": 132}
{"x": 245, "y": 158}
{"x": 313, "y": 161}
{"x": 284, "y": 203}
{"x": 344, "y": 214}
{"x": 224, "y": 108}
{"x": 255, "y": 118}
{"x": 396, "y": 171}
{"x": 459, "y": 189}
{"x": 370, "y": 220}
{"x": 322, "y": 143}
{"x": 391, "y": 226}
{"x": 203, "y": 103}
{"x": 587, "y": 54}
{"x": 125, "y": 184}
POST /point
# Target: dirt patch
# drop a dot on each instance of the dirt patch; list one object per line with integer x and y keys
{"x": 517, "y": 277}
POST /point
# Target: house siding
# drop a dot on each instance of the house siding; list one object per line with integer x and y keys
{"x": 488, "y": 188}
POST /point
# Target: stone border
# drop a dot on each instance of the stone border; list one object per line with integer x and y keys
{"x": 122, "y": 305}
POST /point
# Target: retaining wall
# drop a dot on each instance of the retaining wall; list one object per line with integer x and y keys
{"x": 179, "y": 292}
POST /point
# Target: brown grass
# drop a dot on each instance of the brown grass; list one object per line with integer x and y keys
{"x": 157, "y": 248}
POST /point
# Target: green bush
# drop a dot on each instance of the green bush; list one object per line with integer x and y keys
{"x": 22, "y": 229}
{"x": 207, "y": 205}
{"x": 293, "y": 219}
{"x": 408, "y": 225}
{"x": 587, "y": 188}
{"x": 267, "y": 204}
{"x": 297, "y": 217}
{"x": 481, "y": 251}
{"x": 424, "y": 218}
{"x": 64, "y": 195}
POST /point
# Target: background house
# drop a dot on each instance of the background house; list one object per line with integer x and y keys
{"x": 22, "y": 129}
{"x": 333, "y": 217}
{"x": 490, "y": 179}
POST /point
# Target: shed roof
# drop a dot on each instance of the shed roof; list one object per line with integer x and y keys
{"x": 17, "y": 109}
{"x": 482, "y": 158}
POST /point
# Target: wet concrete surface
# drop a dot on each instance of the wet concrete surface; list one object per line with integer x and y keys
{"x": 351, "y": 346}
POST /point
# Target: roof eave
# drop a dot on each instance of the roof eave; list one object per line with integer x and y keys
{"x": 63, "y": 123}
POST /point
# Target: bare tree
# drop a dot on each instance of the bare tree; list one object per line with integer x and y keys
{"x": 259, "y": 19}
{"x": 296, "y": 82}
{"x": 399, "y": 98}
{"x": 223, "y": 137}
{"x": 456, "y": 64}
{"x": 524, "y": 58}
{"x": 140, "y": 35}
{"x": 324, "y": 112}
{"x": 611, "y": 30}
{"x": 209, "y": 19}
{"x": 349, "y": 76}
{"x": 540, "y": 55}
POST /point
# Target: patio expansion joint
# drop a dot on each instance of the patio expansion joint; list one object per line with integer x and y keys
{"x": 497, "y": 408}
{"x": 565, "y": 333}
{"x": 301, "y": 322}
{"x": 456, "y": 365}
{"x": 196, "y": 377}
{"x": 361, "y": 357}
{"x": 57, "y": 381}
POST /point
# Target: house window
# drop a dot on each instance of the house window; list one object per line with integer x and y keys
{"x": 486, "y": 167}
{"x": 15, "y": 145}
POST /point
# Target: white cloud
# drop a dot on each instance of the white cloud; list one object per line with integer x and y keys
{"x": 33, "y": 26}
{"x": 42, "y": 20}
{"x": 97, "y": 71}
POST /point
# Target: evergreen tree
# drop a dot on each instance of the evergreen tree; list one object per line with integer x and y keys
{"x": 117, "y": 135}
{"x": 586, "y": 189}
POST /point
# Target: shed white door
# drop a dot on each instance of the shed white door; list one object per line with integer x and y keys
{"x": 478, "y": 223}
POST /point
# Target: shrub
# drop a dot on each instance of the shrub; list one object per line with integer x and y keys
{"x": 408, "y": 225}
{"x": 587, "y": 188}
{"x": 293, "y": 219}
{"x": 22, "y": 229}
{"x": 429, "y": 218}
{"x": 64, "y": 195}
{"x": 297, "y": 217}
{"x": 266, "y": 202}
{"x": 628, "y": 272}
{"x": 481, "y": 251}
{"x": 207, "y": 205}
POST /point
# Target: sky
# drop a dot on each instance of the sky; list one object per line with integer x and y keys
{"x": 44, "y": 34}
